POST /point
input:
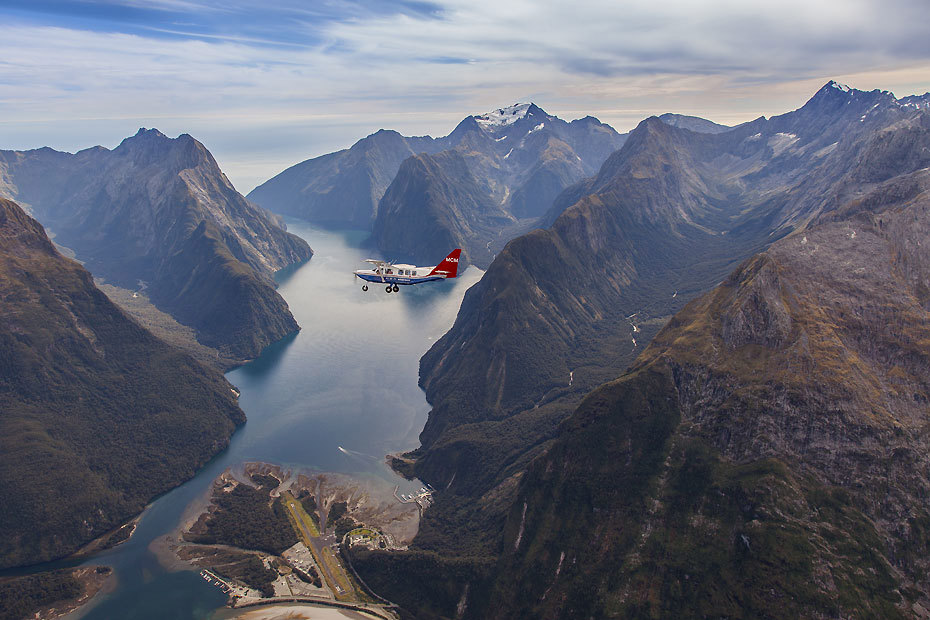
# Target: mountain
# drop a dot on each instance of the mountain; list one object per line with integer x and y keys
{"x": 158, "y": 213}
{"x": 97, "y": 416}
{"x": 563, "y": 310}
{"x": 435, "y": 204}
{"x": 766, "y": 456}
{"x": 516, "y": 161}
{"x": 341, "y": 189}
{"x": 694, "y": 123}
{"x": 518, "y": 158}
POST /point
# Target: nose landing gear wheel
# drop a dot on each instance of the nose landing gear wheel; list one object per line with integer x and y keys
{"x": 364, "y": 287}
{"x": 388, "y": 288}
{"x": 396, "y": 288}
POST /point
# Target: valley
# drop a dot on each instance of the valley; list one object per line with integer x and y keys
{"x": 298, "y": 549}
{"x": 693, "y": 382}
{"x": 305, "y": 398}
{"x": 667, "y": 217}
{"x": 490, "y": 179}
{"x": 157, "y": 215}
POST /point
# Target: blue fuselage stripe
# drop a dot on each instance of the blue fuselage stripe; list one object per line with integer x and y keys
{"x": 399, "y": 280}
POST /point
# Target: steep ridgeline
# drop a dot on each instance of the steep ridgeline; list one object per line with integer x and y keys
{"x": 517, "y": 160}
{"x": 159, "y": 211}
{"x": 501, "y": 173}
{"x": 453, "y": 209}
{"x": 694, "y": 123}
{"x": 97, "y": 416}
{"x": 342, "y": 189}
{"x": 562, "y": 310}
{"x": 767, "y": 456}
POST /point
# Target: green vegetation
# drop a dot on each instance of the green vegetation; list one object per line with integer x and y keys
{"x": 336, "y": 511}
{"x": 654, "y": 523}
{"x": 699, "y": 484}
{"x": 309, "y": 504}
{"x": 246, "y": 518}
{"x": 202, "y": 283}
{"x": 313, "y": 577}
{"x": 245, "y": 567}
{"x": 206, "y": 253}
{"x": 298, "y": 513}
{"x": 96, "y": 414}
{"x": 21, "y": 597}
{"x": 439, "y": 582}
{"x": 344, "y": 525}
{"x": 163, "y": 325}
{"x": 119, "y": 536}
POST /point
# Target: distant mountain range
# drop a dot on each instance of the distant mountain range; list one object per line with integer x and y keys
{"x": 488, "y": 180}
{"x": 767, "y": 455}
{"x": 158, "y": 213}
{"x": 743, "y": 466}
{"x": 694, "y": 123}
{"x": 97, "y": 416}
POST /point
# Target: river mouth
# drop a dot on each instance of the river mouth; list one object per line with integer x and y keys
{"x": 337, "y": 397}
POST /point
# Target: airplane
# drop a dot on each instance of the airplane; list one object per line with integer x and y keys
{"x": 396, "y": 275}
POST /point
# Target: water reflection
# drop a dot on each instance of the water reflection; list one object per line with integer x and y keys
{"x": 283, "y": 275}
{"x": 271, "y": 356}
{"x": 348, "y": 379}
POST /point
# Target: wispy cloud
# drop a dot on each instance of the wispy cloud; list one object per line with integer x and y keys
{"x": 332, "y": 71}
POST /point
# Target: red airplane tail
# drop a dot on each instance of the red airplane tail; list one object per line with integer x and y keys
{"x": 449, "y": 266}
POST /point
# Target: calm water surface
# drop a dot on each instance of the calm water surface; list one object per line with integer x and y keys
{"x": 348, "y": 379}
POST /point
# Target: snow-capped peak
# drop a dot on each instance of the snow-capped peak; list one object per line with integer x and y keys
{"x": 503, "y": 116}
{"x": 839, "y": 86}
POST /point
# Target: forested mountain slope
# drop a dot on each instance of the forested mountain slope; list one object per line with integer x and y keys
{"x": 97, "y": 416}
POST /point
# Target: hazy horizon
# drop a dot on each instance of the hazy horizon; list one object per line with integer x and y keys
{"x": 266, "y": 88}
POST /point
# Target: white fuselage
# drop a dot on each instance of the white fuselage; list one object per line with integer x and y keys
{"x": 399, "y": 274}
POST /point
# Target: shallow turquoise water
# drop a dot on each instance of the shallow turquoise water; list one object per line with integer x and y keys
{"x": 349, "y": 379}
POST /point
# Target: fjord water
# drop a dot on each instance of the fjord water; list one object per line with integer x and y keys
{"x": 348, "y": 379}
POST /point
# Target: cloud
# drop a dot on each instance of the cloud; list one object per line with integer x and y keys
{"x": 419, "y": 67}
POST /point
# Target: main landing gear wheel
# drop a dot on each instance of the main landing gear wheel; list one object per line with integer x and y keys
{"x": 388, "y": 288}
{"x": 364, "y": 287}
{"x": 396, "y": 288}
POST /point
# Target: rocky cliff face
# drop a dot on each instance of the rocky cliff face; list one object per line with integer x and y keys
{"x": 435, "y": 204}
{"x": 694, "y": 123}
{"x": 667, "y": 216}
{"x": 97, "y": 416}
{"x": 766, "y": 455}
{"x": 159, "y": 211}
{"x": 562, "y": 310}
{"x": 502, "y": 172}
{"x": 518, "y": 158}
{"x": 342, "y": 189}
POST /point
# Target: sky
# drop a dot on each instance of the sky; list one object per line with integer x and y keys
{"x": 265, "y": 85}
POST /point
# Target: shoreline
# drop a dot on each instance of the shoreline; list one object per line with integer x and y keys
{"x": 91, "y": 580}
{"x": 295, "y": 610}
{"x": 368, "y": 501}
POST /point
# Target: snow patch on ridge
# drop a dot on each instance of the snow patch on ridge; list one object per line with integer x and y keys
{"x": 503, "y": 117}
{"x": 781, "y": 142}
